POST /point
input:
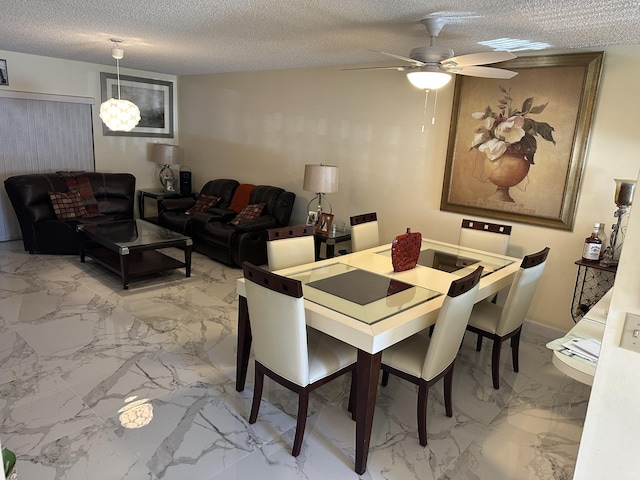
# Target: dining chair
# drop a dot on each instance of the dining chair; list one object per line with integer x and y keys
{"x": 290, "y": 246}
{"x": 298, "y": 358}
{"x": 490, "y": 237}
{"x": 501, "y": 323}
{"x": 364, "y": 231}
{"x": 422, "y": 360}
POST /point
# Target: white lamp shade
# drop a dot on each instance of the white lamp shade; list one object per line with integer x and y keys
{"x": 428, "y": 80}
{"x": 320, "y": 178}
{"x": 165, "y": 154}
{"x": 119, "y": 115}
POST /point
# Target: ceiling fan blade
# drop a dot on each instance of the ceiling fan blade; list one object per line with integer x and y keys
{"x": 485, "y": 72}
{"x": 417, "y": 63}
{"x": 477, "y": 59}
{"x": 394, "y": 67}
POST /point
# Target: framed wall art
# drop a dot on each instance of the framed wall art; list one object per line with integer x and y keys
{"x": 517, "y": 147}
{"x": 154, "y": 98}
{"x": 4, "y": 75}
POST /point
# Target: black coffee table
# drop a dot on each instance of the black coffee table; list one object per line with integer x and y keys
{"x": 129, "y": 248}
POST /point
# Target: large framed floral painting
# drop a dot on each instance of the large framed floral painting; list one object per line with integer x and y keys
{"x": 517, "y": 147}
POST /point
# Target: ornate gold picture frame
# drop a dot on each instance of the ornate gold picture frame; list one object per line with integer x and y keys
{"x": 517, "y": 147}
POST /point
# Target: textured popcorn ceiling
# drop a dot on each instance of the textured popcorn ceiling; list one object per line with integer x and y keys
{"x": 205, "y": 36}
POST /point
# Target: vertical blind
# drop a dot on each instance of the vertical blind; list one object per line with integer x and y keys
{"x": 41, "y": 133}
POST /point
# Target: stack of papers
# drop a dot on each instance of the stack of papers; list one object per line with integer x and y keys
{"x": 588, "y": 348}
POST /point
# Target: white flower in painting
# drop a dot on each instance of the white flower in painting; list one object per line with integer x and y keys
{"x": 511, "y": 129}
{"x": 480, "y": 137}
{"x": 493, "y": 148}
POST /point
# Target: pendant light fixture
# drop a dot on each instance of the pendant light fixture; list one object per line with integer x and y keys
{"x": 117, "y": 114}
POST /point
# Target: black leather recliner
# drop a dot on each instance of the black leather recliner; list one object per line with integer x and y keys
{"x": 247, "y": 241}
{"x": 172, "y": 214}
{"x": 41, "y": 231}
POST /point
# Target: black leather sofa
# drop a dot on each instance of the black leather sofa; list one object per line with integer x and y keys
{"x": 172, "y": 214}
{"x": 41, "y": 231}
{"x": 231, "y": 244}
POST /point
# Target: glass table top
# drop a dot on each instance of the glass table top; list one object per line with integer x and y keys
{"x": 131, "y": 233}
{"x": 455, "y": 260}
{"x": 362, "y": 295}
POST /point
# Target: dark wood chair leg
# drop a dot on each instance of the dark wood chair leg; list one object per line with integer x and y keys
{"x": 495, "y": 362}
{"x": 257, "y": 394}
{"x": 515, "y": 348}
{"x": 352, "y": 395}
{"x": 479, "y": 343}
{"x": 303, "y": 406}
{"x": 448, "y": 389}
{"x": 423, "y": 395}
{"x": 385, "y": 378}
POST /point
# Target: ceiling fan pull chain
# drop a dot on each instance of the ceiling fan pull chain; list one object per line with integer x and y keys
{"x": 424, "y": 110}
{"x": 435, "y": 104}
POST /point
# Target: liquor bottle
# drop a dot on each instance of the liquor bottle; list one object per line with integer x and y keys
{"x": 592, "y": 245}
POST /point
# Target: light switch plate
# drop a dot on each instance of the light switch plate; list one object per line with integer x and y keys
{"x": 631, "y": 333}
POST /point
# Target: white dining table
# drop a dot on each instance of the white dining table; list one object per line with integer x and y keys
{"x": 385, "y": 308}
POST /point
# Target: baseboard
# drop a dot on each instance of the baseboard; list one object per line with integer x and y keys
{"x": 532, "y": 327}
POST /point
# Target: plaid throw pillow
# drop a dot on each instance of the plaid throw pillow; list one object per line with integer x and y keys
{"x": 248, "y": 212}
{"x": 67, "y": 205}
{"x": 80, "y": 182}
{"x": 204, "y": 203}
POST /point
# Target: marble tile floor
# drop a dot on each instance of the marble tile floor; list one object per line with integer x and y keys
{"x": 81, "y": 359}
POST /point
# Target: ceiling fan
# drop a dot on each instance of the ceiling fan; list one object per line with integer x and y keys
{"x": 431, "y": 67}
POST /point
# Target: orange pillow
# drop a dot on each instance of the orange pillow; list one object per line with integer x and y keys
{"x": 241, "y": 197}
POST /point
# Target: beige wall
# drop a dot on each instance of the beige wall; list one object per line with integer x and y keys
{"x": 31, "y": 73}
{"x": 263, "y": 127}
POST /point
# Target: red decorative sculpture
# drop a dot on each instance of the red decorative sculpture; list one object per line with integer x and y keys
{"x": 405, "y": 250}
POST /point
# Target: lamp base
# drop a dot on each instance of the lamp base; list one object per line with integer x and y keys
{"x": 319, "y": 196}
{"x": 166, "y": 174}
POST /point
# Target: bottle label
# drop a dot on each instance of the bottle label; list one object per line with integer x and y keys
{"x": 591, "y": 251}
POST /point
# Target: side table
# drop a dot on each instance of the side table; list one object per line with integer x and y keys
{"x": 158, "y": 194}
{"x": 330, "y": 239}
{"x": 592, "y": 282}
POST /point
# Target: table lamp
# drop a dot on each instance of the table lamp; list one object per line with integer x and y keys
{"x": 320, "y": 179}
{"x": 623, "y": 199}
{"x": 166, "y": 155}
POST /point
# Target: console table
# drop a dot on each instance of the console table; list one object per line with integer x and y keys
{"x": 158, "y": 194}
{"x": 592, "y": 282}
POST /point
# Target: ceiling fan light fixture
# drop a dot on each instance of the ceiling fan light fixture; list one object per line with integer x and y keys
{"x": 428, "y": 80}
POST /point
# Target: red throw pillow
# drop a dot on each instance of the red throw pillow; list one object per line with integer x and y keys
{"x": 67, "y": 205}
{"x": 204, "y": 203}
{"x": 248, "y": 212}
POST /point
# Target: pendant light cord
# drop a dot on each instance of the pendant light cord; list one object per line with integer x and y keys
{"x": 118, "y": 73}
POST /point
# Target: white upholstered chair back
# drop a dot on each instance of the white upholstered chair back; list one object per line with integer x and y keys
{"x": 451, "y": 325}
{"x": 279, "y": 331}
{"x": 520, "y": 295}
{"x": 490, "y": 237}
{"x": 364, "y": 232}
{"x": 290, "y": 246}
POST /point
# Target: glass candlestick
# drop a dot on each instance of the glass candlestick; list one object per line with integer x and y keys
{"x": 623, "y": 199}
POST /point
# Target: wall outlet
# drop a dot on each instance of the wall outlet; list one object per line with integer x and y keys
{"x": 631, "y": 333}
